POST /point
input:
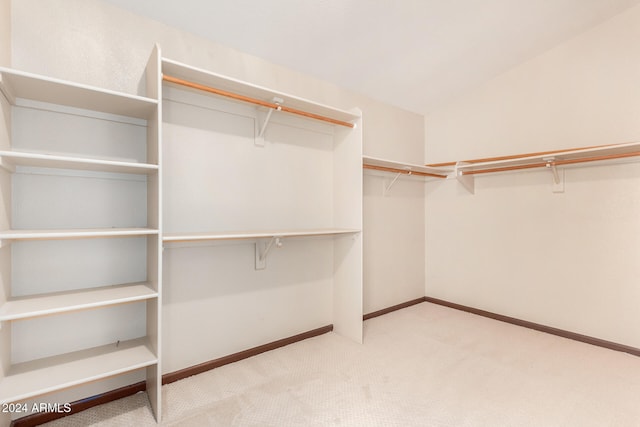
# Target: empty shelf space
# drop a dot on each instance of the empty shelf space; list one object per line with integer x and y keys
{"x": 61, "y": 302}
{"x": 404, "y": 168}
{"x": 85, "y": 233}
{"x": 30, "y": 379}
{"x": 20, "y": 84}
{"x": 187, "y": 237}
{"x": 18, "y": 158}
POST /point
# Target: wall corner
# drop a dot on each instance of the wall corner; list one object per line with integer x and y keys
{"x": 5, "y": 33}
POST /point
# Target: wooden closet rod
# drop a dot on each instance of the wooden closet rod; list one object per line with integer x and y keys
{"x": 515, "y": 156}
{"x": 554, "y": 163}
{"x": 243, "y": 98}
{"x": 403, "y": 171}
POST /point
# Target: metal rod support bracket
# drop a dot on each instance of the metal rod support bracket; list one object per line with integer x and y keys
{"x": 558, "y": 174}
{"x": 552, "y": 166}
{"x": 467, "y": 181}
{"x": 387, "y": 188}
{"x": 5, "y": 90}
{"x": 259, "y": 140}
{"x": 7, "y": 166}
{"x": 263, "y": 249}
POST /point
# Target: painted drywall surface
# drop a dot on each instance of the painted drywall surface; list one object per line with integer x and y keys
{"x": 393, "y": 220}
{"x": 94, "y": 43}
{"x": 393, "y": 241}
{"x": 567, "y": 260}
{"x": 583, "y": 92}
{"x": 5, "y": 33}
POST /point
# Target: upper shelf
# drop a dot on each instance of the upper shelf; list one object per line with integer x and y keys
{"x": 19, "y": 84}
{"x": 73, "y": 233}
{"x": 197, "y": 78}
{"x": 241, "y": 235}
{"x": 21, "y": 158}
{"x": 404, "y": 168}
{"x": 614, "y": 152}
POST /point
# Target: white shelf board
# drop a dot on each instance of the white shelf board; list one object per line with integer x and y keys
{"x": 20, "y": 84}
{"x": 186, "y": 237}
{"x": 18, "y": 158}
{"x": 375, "y": 161}
{"x": 61, "y": 302}
{"x": 74, "y": 233}
{"x": 218, "y": 81}
{"x": 31, "y": 379}
{"x": 606, "y": 150}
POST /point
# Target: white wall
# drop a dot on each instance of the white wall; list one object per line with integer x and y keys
{"x": 567, "y": 260}
{"x": 216, "y": 179}
{"x": 95, "y": 43}
{"x": 393, "y": 221}
{"x": 5, "y": 33}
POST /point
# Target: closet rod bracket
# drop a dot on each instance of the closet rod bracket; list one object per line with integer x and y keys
{"x": 551, "y": 164}
{"x": 6, "y": 91}
{"x": 387, "y": 188}
{"x": 467, "y": 181}
{"x": 259, "y": 140}
{"x": 263, "y": 249}
{"x": 558, "y": 174}
{"x": 7, "y": 166}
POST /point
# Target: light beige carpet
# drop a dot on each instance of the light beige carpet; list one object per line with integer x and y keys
{"x": 421, "y": 366}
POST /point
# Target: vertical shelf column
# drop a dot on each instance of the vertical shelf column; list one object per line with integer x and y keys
{"x": 5, "y": 249}
{"x": 347, "y": 193}
{"x": 154, "y": 220}
{"x": 91, "y": 126}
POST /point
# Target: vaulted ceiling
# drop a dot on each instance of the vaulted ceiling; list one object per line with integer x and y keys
{"x": 415, "y": 54}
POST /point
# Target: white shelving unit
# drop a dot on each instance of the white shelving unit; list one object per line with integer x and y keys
{"x": 234, "y": 86}
{"x": 87, "y": 206}
{"x": 265, "y": 240}
{"x": 611, "y": 153}
{"x": 31, "y": 379}
{"x": 11, "y": 159}
{"x": 75, "y": 233}
{"x": 61, "y": 302}
{"x": 76, "y": 163}
{"x": 17, "y": 85}
{"x": 238, "y": 158}
{"x": 555, "y": 161}
{"x": 403, "y": 169}
{"x": 252, "y": 235}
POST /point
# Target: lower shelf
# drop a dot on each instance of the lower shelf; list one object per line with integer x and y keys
{"x": 240, "y": 235}
{"x": 42, "y": 305}
{"x": 37, "y": 377}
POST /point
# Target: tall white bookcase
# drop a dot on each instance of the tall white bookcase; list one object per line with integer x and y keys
{"x": 80, "y": 299}
{"x": 104, "y": 196}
